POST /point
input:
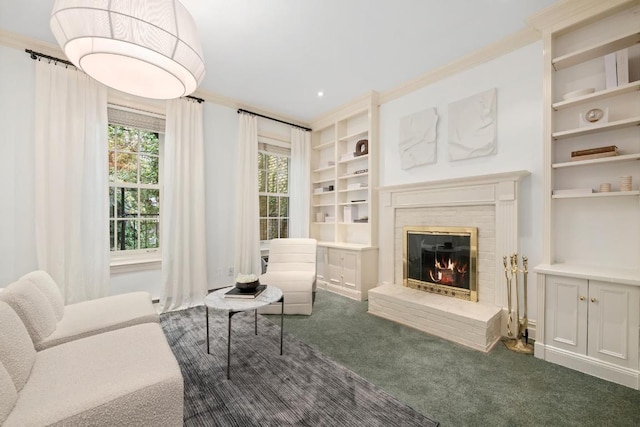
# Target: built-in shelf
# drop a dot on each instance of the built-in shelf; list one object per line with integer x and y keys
{"x": 324, "y": 169}
{"x": 353, "y": 175}
{"x": 354, "y": 136}
{"x": 324, "y": 223}
{"x": 322, "y": 205}
{"x": 612, "y": 159}
{"x": 595, "y": 51}
{"x": 323, "y": 145}
{"x": 353, "y": 223}
{"x": 590, "y": 272}
{"x": 353, "y": 159}
{"x": 630, "y": 87}
{"x": 591, "y": 195}
{"x": 320, "y": 181}
{"x": 347, "y": 190}
{"x": 354, "y": 203}
{"x": 323, "y": 193}
{"x": 604, "y": 127}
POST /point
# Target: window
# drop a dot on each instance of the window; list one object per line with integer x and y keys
{"x": 134, "y": 189}
{"x": 273, "y": 189}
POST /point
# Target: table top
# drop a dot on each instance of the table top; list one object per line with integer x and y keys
{"x": 216, "y": 300}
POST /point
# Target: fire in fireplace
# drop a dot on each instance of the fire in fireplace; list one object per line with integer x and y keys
{"x": 441, "y": 260}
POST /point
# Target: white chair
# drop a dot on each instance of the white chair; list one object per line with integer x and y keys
{"x": 292, "y": 268}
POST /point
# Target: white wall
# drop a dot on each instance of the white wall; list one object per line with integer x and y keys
{"x": 517, "y": 76}
{"x": 17, "y": 239}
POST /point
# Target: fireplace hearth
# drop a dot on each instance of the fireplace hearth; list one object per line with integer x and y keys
{"x": 442, "y": 260}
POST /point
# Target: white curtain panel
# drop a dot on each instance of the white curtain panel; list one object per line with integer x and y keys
{"x": 71, "y": 181}
{"x": 247, "y": 228}
{"x": 184, "y": 268}
{"x": 299, "y": 183}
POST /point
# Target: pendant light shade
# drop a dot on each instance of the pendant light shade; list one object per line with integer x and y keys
{"x": 148, "y": 48}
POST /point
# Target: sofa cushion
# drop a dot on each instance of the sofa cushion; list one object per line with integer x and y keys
{"x": 101, "y": 315}
{"x": 8, "y": 393}
{"x": 49, "y": 289}
{"x": 17, "y": 354}
{"x": 33, "y": 308}
{"x": 126, "y": 377}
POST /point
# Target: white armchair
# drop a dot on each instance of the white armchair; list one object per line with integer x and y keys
{"x": 292, "y": 268}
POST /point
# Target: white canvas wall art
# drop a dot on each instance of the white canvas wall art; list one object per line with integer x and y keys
{"x": 472, "y": 126}
{"x": 417, "y": 142}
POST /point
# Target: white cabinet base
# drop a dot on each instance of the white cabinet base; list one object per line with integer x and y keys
{"x": 589, "y": 365}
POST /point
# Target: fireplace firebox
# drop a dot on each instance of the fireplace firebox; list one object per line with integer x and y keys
{"x": 442, "y": 260}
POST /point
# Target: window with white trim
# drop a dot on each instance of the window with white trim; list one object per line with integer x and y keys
{"x": 134, "y": 185}
{"x": 273, "y": 192}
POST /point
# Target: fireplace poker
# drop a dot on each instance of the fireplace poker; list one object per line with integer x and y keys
{"x": 514, "y": 272}
{"x": 506, "y": 276}
{"x": 525, "y": 321}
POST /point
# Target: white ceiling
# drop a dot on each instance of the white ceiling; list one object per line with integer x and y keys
{"x": 277, "y": 54}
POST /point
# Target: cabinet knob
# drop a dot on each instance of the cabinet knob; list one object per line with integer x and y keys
{"x": 581, "y": 298}
{"x": 593, "y": 300}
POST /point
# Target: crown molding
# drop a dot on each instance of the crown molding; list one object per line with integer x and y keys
{"x": 18, "y": 41}
{"x": 567, "y": 13}
{"x": 360, "y": 103}
{"x": 501, "y": 47}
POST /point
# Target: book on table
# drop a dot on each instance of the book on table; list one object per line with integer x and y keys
{"x": 235, "y": 293}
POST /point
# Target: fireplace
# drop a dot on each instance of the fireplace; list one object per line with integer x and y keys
{"x": 442, "y": 260}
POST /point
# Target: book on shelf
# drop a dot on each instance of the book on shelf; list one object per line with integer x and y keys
{"x": 235, "y": 293}
{"x": 593, "y": 156}
{"x": 573, "y": 192}
{"x": 596, "y": 150}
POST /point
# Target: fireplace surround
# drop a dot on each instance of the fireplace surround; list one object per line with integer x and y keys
{"x": 488, "y": 203}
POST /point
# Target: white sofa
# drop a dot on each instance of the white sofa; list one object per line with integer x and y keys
{"x": 292, "y": 268}
{"x": 117, "y": 374}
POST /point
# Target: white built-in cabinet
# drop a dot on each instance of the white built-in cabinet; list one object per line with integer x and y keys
{"x": 344, "y": 177}
{"x": 588, "y": 284}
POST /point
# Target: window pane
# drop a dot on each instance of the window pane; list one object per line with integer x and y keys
{"x": 263, "y": 229}
{"x": 112, "y": 166}
{"x": 262, "y": 181}
{"x": 112, "y": 225}
{"x": 283, "y": 183}
{"x": 272, "y": 232}
{"x": 149, "y": 231}
{"x": 127, "y": 200}
{"x": 126, "y": 139}
{"x": 112, "y": 206}
{"x": 263, "y": 206}
{"x": 127, "y": 235}
{"x": 284, "y": 206}
{"x": 273, "y": 206}
{"x": 284, "y": 228}
{"x": 149, "y": 202}
{"x": 148, "y": 169}
{"x": 127, "y": 167}
{"x": 261, "y": 161}
{"x": 149, "y": 143}
{"x": 272, "y": 180}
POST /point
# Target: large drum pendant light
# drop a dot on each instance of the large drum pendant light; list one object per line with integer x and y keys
{"x": 148, "y": 48}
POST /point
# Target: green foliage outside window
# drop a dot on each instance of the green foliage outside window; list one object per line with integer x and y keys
{"x": 273, "y": 188}
{"x": 134, "y": 192}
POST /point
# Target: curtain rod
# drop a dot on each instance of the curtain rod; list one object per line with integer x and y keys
{"x": 35, "y": 55}
{"x": 275, "y": 120}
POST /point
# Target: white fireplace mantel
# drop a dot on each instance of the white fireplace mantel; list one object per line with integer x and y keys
{"x": 494, "y": 193}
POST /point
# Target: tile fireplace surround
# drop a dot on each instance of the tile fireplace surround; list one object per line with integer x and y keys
{"x": 488, "y": 202}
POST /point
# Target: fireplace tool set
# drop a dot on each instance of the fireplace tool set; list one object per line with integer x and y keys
{"x": 519, "y": 343}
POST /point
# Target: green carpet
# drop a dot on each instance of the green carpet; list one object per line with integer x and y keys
{"x": 456, "y": 385}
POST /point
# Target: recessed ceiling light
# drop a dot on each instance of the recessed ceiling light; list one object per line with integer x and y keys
{"x": 320, "y": 94}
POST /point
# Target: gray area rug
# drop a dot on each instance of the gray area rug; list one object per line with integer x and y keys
{"x": 302, "y": 387}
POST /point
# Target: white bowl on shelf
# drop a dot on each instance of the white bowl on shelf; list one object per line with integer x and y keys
{"x": 578, "y": 93}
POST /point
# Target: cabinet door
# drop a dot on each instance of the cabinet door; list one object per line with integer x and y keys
{"x": 350, "y": 269}
{"x": 566, "y": 313}
{"x": 613, "y": 323}
{"x": 335, "y": 267}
